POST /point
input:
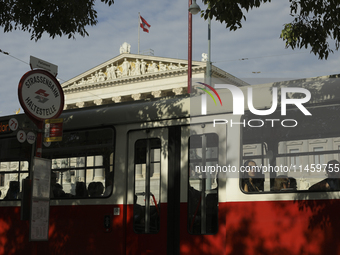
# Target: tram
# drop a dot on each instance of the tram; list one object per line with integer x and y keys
{"x": 158, "y": 177}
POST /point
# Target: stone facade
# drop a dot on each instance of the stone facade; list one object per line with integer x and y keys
{"x": 130, "y": 77}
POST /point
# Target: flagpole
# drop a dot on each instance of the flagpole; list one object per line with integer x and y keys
{"x": 138, "y": 29}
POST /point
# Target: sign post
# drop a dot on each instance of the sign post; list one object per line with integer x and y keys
{"x": 42, "y": 64}
{"x": 42, "y": 98}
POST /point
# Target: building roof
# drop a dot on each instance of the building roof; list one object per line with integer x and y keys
{"x": 128, "y": 77}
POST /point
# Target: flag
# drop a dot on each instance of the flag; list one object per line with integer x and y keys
{"x": 143, "y": 24}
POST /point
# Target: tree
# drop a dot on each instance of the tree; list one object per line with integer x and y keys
{"x": 55, "y": 17}
{"x": 313, "y": 24}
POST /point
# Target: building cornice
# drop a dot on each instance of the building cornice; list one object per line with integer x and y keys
{"x": 133, "y": 79}
{"x": 117, "y": 62}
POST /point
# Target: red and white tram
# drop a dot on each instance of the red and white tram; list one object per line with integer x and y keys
{"x": 132, "y": 178}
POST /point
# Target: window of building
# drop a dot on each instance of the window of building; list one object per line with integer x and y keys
{"x": 294, "y": 161}
{"x": 319, "y": 158}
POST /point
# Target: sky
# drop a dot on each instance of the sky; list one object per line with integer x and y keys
{"x": 254, "y": 53}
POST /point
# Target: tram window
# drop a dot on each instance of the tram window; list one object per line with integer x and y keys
{"x": 295, "y": 158}
{"x": 299, "y": 164}
{"x": 146, "y": 209}
{"x": 203, "y": 185}
{"x": 82, "y": 164}
{"x": 14, "y": 167}
{"x": 310, "y": 161}
{"x": 255, "y": 153}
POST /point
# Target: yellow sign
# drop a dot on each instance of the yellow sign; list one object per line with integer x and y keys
{"x": 53, "y": 130}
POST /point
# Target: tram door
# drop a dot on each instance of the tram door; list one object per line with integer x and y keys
{"x": 147, "y": 201}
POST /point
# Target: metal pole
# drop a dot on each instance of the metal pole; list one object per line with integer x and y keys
{"x": 208, "y": 73}
{"x": 189, "y": 48}
{"x": 40, "y": 125}
{"x": 147, "y": 188}
{"x": 203, "y": 198}
{"x": 138, "y": 29}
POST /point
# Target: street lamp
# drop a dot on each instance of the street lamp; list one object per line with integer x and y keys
{"x": 193, "y": 9}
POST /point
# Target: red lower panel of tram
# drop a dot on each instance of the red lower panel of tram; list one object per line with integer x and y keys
{"x": 276, "y": 227}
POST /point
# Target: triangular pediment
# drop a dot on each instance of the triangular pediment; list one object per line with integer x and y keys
{"x": 129, "y": 66}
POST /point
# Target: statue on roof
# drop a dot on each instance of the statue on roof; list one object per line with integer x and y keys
{"x": 162, "y": 67}
{"x": 137, "y": 70}
{"x": 101, "y": 75}
{"x": 204, "y": 57}
{"x": 143, "y": 67}
{"x": 126, "y": 68}
{"x": 111, "y": 72}
{"x": 125, "y": 48}
{"x": 152, "y": 67}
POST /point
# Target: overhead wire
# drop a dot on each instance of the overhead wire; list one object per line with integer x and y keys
{"x": 240, "y": 59}
{"x": 8, "y": 54}
{"x": 269, "y": 56}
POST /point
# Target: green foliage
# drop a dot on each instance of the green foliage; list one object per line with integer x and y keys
{"x": 230, "y": 11}
{"x": 314, "y": 23}
{"x": 55, "y": 17}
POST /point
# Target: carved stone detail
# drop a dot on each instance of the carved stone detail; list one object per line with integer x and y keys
{"x": 137, "y": 96}
{"x": 178, "y": 91}
{"x": 80, "y": 104}
{"x": 157, "y": 93}
{"x": 98, "y": 101}
{"x": 117, "y": 99}
{"x": 127, "y": 68}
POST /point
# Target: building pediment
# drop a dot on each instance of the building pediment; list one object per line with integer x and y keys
{"x": 130, "y": 77}
{"x": 127, "y": 67}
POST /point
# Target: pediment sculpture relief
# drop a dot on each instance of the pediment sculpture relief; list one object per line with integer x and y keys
{"x": 128, "y": 68}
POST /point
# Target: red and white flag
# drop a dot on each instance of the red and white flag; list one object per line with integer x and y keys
{"x": 143, "y": 24}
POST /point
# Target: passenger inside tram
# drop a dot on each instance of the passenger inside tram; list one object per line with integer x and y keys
{"x": 292, "y": 184}
{"x": 333, "y": 181}
{"x": 280, "y": 183}
{"x": 95, "y": 189}
{"x": 81, "y": 190}
{"x": 108, "y": 184}
{"x": 253, "y": 181}
{"x": 58, "y": 191}
{"x": 13, "y": 191}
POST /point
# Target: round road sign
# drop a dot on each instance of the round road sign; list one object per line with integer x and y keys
{"x": 21, "y": 136}
{"x": 41, "y": 95}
